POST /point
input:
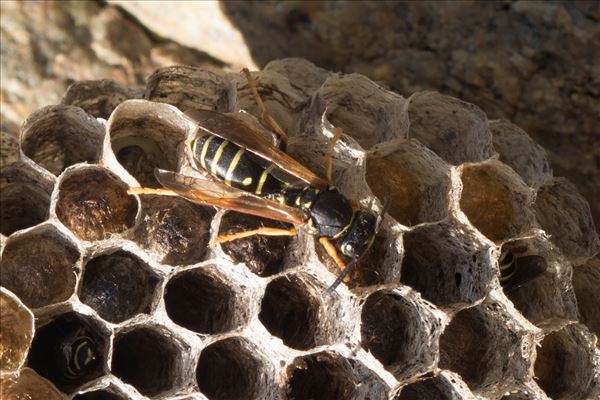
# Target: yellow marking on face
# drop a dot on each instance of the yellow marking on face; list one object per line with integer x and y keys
{"x": 247, "y": 181}
{"x": 218, "y": 154}
{"x": 204, "y": 150}
{"x": 263, "y": 179}
{"x": 307, "y": 204}
{"x": 297, "y": 201}
{"x": 234, "y": 163}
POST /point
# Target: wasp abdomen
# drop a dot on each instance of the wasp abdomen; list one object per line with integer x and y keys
{"x": 234, "y": 165}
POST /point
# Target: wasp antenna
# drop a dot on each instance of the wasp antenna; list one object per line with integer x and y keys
{"x": 340, "y": 278}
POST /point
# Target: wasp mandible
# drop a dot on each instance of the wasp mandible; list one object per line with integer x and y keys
{"x": 249, "y": 174}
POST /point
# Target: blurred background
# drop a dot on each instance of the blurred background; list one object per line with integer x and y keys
{"x": 534, "y": 63}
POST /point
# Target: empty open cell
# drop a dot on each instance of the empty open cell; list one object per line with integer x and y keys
{"x": 173, "y": 230}
{"x": 56, "y": 137}
{"x": 586, "y": 281}
{"x": 118, "y": 286}
{"x": 232, "y": 369}
{"x": 17, "y": 331}
{"x": 149, "y": 358}
{"x": 201, "y": 300}
{"x": 447, "y": 263}
{"x": 93, "y": 203}
{"x": 40, "y": 266}
{"x": 9, "y": 148}
{"x": 435, "y": 388}
{"x": 328, "y": 375}
{"x": 415, "y": 179}
{"x": 521, "y": 153}
{"x": 564, "y": 367}
{"x": 187, "y": 87}
{"x": 99, "y": 97}
{"x": 364, "y": 110}
{"x": 400, "y": 332}
{"x": 24, "y": 197}
{"x": 146, "y": 135}
{"x": 539, "y": 283}
{"x": 469, "y": 346}
{"x": 264, "y": 255}
{"x": 291, "y": 312}
{"x": 28, "y": 385}
{"x": 566, "y": 217}
{"x": 496, "y": 200}
{"x": 70, "y": 351}
{"x": 455, "y": 130}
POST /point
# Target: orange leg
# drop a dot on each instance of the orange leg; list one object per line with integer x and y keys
{"x": 267, "y": 118}
{"x": 329, "y": 154}
{"x": 265, "y": 231}
{"x": 160, "y": 192}
{"x": 330, "y": 249}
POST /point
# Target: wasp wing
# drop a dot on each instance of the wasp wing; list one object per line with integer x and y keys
{"x": 213, "y": 193}
{"x": 229, "y": 128}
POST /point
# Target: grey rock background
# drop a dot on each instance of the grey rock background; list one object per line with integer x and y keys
{"x": 536, "y": 64}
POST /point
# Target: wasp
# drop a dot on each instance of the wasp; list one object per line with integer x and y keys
{"x": 516, "y": 269}
{"x": 248, "y": 173}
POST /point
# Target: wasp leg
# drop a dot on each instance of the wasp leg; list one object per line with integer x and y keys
{"x": 330, "y": 249}
{"x": 267, "y": 118}
{"x": 329, "y": 154}
{"x": 160, "y": 192}
{"x": 265, "y": 231}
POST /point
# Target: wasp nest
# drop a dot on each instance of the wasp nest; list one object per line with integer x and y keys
{"x": 130, "y": 301}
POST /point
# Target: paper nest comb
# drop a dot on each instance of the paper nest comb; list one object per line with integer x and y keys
{"x": 424, "y": 315}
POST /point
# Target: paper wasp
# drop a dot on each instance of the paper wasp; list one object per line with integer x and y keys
{"x": 516, "y": 269}
{"x": 247, "y": 173}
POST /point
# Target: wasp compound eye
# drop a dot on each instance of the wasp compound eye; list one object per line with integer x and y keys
{"x": 360, "y": 234}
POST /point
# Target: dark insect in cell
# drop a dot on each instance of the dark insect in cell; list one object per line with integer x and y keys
{"x": 67, "y": 352}
{"x": 247, "y": 173}
{"x": 517, "y": 270}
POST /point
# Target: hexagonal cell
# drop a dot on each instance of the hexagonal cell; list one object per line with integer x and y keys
{"x": 202, "y": 300}
{"x": 118, "y": 286}
{"x": 415, "y": 179}
{"x": 290, "y": 311}
{"x": 300, "y": 70}
{"x": 546, "y": 297}
{"x": 9, "y": 149}
{"x": 40, "y": 266}
{"x": 56, "y": 137}
{"x": 586, "y": 281}
{"x": 70, "y": 351}
{"x": 566, "y": 366}
{"x": 521, "y": 153}
{"x": 264, "y": 255}
{"x": 17, "y": 331}
{"x": 401, "y": 332}
{"x": 234, "y": 368}
{"x": 455, "y": 130}
{"x": 93, "y": 203}
{"x": 188, "y": 87}
{"x": 150, "y": 358}
{"x": 566, "y": 217}
{"x": 447, "y": 263}
{"x": 146, "y": 135}
{"x": 439, "y": 387}
{"x": 173, "y": 230}
{"x": 364, "y": 110}
{"x": 24, "y": 197}
{"x": 99, "y": 97}
{"x": 28, "y": 385}
{"x": 470, "y": 343}
{"x": 496, "y": 200}
{"x": 284, "y": 101}
{"x": 328, "y": 375}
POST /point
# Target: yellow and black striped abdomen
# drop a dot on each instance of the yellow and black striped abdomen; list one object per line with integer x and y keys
{"x": 234, "y": 165}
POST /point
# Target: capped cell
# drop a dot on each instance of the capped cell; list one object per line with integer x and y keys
{"x": 29, "y": 385}
{"x": 17, "y": 331}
